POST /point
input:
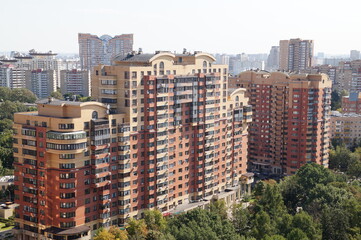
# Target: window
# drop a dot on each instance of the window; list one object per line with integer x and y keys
{"x": 95, "y": 115}
{"x": 66, "y": 165}
{"x": 66, "y": 126}
{"x": 67, "y": 204}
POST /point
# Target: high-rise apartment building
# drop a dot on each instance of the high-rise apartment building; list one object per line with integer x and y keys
{"x": 296, "y": 54}
{"x": 41, "y": 82}
{"x": 290, "y": 119}
{"x": 349, "y": 76}
{"x": 170, "y": 134}
{"x": 354, "y": 54}
{"x": 273, "y": 58}
{"x": 67, "y": 174}
{"x": 178, "y": 109}
{"x": 331, "y": 71}
{"x": 94, "y": 50}
{"x": 11, "y": 76}
{"x": 75, "y": 82}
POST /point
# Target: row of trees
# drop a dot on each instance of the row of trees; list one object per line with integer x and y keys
{"x": 315, "y": 203}
{"x": 17, "y": 95}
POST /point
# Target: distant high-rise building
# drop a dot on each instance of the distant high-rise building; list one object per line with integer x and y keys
{"x": 331, "y": 71}
{"x": 273, "y": 58}
{"x": 290, "y": 120}
{"x": 354, "y": 54}
{"x": 41, "y": 82}
{"x": 349, "y": 76}
{"x": 11, "y": 76}
{"x": 352, "y": 103}
{"x": 75, "y": 82}
{"x": 94, "y": 50}
{"x": 296, "y": 54}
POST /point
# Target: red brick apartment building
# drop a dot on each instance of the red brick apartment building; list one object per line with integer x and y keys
{"x": 167, "y": 134}
{"x": 291, "y": 117}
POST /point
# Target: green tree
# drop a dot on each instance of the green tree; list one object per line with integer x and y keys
{"x": 118, "y": 233}
{"x": 155, "y": 220}
{"x": 259, "y": 189}
{"x": 56, "y": 95}
{"x": 335, "y": 224}
{"x": 137, "y": 229}
{"x": 219, "y": 208}
{"x": 103, "y": 234}
{"x": 5, "y": 124}
{"x": 274, "y": 237}
{"x": 354, "y": 169}
{"x": 335, "y": 100}
{"x": 200, "y": 224}
{"x": 305, "y": 222}
{"x": 5, "y": 93}
{"x": 8, "y": 108}
{"x": 22, "y": 95}
{"x": 241, "y": 219}
{"x": 271, "y": 201}
{"x": 341, "y": 158}
{"x": 262, "y": 226}
{"x": 297, "y": 234}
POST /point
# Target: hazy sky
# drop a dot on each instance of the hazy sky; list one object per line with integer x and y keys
{"x": 226, "y": 26}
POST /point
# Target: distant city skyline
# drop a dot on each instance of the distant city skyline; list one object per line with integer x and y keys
{"x": 229, "y": 27}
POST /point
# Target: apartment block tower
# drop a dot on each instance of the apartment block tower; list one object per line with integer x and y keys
{"x": 291, "y": 115}
{"x": 273, "y": 58}
{"x": 66, "y": 169}
{"x": 41, "y": 82}
{"x": 349, "y": 76}
{"x": 182, "y": 129}
{"x": 75, "y": 82}
{"x": 94, "y": 50}
{"x": 295, "y": 54}
{"x": 11, "y": 76}
{"x": 167, "y": 133}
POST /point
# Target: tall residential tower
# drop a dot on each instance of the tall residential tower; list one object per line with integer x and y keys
{"x": 291, "y": 118}
{"x": 94, "y": 50}
{"x": 296, "y": 54}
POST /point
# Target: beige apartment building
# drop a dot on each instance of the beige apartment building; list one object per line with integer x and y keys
{"x": 346, "y": 128}
{"x": 94, "y": 50}
{"x": 296, "y": 54}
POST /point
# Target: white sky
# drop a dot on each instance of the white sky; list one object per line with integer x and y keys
{"x": 224, "y": 26}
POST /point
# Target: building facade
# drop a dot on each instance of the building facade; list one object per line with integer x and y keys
{"x": 94, "y": 50}
{"x": 331, "y": 71}
{"x": 346, "y": 128}
{"x": 41, "y": 82}
{"x": 180, "y": 104}
{"x": 169, "y": 134}
{"x": 296, "y": 54}
{"x": 273, "y": 58}
{"x": 75, "y": 82}
{"x": 354, "y": 54}
{"x": 290, "y": 119}
{"x": 11, "y": 76}
{"x": 351, "y": 103}
{"x": 349, "y": 76}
